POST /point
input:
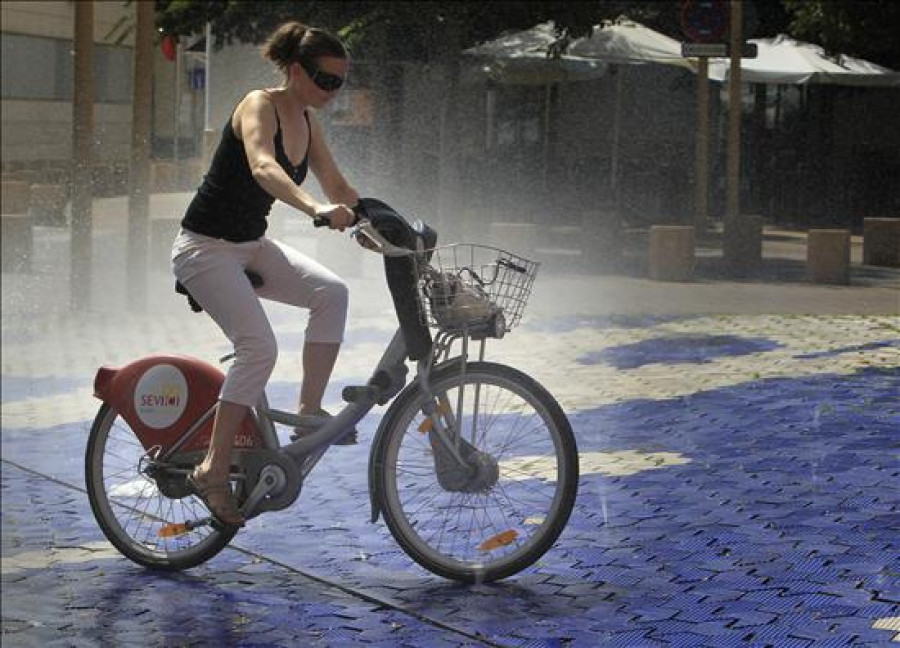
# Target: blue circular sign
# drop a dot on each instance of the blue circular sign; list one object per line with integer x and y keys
{"x": 704, "y": 21}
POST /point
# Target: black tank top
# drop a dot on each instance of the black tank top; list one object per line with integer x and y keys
{"x": 230, "y": 204}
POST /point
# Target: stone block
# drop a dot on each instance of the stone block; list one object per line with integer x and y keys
{"x": 828, "y": 256}
{"x": 602, "y": 235}
{"x": 561, "y": 248}
{"x": 881, "y": 241}
{"x": 671, "y": 253}
{"x": 742, "y": 245}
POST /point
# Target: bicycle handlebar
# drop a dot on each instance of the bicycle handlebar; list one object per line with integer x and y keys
{"x": 376, "y": 226}
{"x": 321, "y": 221}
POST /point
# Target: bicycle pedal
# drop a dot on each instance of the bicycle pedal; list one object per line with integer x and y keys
{"x": 354, "y": 393}
{"x": 175, "y": 529}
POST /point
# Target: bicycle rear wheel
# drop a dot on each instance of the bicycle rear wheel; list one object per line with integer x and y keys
{"x": 130, "y": 507}
{"x": 506, "y": 519}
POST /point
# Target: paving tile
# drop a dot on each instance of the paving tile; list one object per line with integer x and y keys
{"x": 774, "y": 526}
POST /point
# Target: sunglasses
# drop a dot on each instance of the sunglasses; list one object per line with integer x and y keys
{"x": 323, "y": 80}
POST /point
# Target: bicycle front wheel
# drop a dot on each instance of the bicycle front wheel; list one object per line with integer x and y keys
{"x": 519, "y": 496}
{"x": 131, "y": 507}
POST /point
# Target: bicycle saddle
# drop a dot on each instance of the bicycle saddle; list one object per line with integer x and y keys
{"x": 256, "y": 281}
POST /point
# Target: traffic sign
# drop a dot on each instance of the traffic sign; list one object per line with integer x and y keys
{"x": 719, "y": 50}
{"x": 704, "y": 49}
{"x": 704, "y": 21}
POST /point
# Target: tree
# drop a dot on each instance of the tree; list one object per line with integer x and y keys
{"x": 864, "y": 28}
{"x": 421, "y": 31}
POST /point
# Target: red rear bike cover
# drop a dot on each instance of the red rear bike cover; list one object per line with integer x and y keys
{"x": 161, "y": 396}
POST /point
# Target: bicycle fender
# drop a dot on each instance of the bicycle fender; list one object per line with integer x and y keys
{"x": 374, "y": 492}
{"x": 379, "y": 444}
{"x": 379, "y": 448}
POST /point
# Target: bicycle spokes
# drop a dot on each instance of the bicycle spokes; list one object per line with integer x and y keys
{"x": 143, "y": 507}
{"x": 479, "y": 491}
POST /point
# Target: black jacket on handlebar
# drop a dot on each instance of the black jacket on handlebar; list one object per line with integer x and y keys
{"x": 401, "y": 272}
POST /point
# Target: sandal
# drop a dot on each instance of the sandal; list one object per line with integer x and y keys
{"x": 300, "y": 432}
{"x": 218, "y": 499}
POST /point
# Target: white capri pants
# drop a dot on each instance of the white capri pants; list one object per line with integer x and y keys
{"x": 212, "y": 270}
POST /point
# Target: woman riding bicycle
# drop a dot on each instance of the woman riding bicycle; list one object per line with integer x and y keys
{"x": 269, "y": 143}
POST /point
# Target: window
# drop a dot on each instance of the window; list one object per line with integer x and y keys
{"x": 35, "y": 67}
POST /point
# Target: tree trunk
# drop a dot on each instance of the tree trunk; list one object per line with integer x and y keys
{"x": 139, "y": 174}
{"x": 701, "y": 150}
{"x": 733, "y": 233}
{"x": 733, "y": 199}
{"x": 82, "y": 157}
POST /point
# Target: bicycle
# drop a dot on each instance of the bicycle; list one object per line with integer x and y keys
{"x": 474, "y": 465}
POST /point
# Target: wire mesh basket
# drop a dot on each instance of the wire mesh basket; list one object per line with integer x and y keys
{"x": 475, "y": 288}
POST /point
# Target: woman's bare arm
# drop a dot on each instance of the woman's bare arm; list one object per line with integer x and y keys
{"x": 330, "y": 178}
{"x": 258, "y": 125}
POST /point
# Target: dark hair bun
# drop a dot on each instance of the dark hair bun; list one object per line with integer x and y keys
{"x": 294, "y": 41}
{"x": 282, "y": 46}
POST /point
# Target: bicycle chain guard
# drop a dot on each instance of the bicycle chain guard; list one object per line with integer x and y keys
{"x": 254, "y": 462}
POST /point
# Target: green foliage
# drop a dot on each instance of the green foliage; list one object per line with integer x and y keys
{"x": 402, "y": 30}
{"x": 427, "y": 30}
{"x": 865, "y": 28}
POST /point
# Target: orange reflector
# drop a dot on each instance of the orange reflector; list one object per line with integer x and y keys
{"x": 500, "y": 540}
{"x": 428, "y": 423}
{"x": 172, "y": 530}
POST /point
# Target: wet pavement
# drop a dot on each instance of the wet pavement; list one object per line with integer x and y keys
{"x": 740, "y": 474}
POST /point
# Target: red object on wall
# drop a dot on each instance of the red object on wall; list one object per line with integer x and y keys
{"x": 169, "y": 47}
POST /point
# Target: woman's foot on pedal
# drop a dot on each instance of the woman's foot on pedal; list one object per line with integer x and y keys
{"x": 301, "y": 432}
{"x": 218, "y": 498}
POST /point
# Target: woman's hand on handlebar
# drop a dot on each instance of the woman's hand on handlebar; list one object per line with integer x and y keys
{"x": 336, "y": 217}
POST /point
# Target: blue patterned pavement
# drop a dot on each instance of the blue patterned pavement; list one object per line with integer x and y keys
{"x": 740, "y": 487}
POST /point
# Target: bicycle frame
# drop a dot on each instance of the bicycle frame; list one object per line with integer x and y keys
{"x": 485, "y": 493}
{"x": 387, "y": 380}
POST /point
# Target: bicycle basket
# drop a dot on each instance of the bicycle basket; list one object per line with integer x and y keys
{"x": 473, "y": 287}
